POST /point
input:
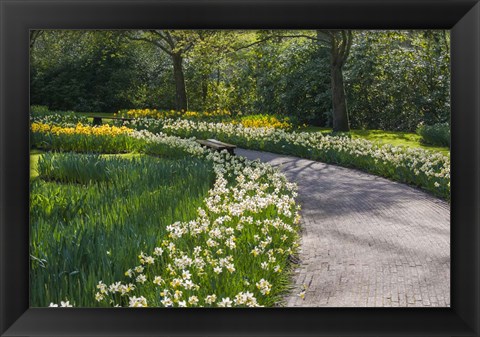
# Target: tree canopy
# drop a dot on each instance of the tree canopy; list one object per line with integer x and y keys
{"x": 391, "y": 80}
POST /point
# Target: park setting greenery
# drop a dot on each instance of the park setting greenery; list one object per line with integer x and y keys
{"x": 135, "y": 213}
{"x": 86, "y": 207}
{"x": 221, "y": 232}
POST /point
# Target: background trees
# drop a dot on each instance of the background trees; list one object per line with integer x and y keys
{"x": 392, "y": 80}
{"x": 395, "y": 80}
{"x": 88, "y": 71}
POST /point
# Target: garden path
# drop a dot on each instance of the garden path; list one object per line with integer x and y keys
{"x": 366, "y": 241}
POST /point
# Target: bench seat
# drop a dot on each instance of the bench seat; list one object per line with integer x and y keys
{"x": 97, "y": 120}
{"x": 217, "y": 145}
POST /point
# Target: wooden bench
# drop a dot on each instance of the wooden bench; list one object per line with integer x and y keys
{"x": 97, "y": 120}
{"x": 217, "y": 145}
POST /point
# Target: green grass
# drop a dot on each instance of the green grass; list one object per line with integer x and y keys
{"x": 97, "y": 114}
{"x": 88, "y": 226}
{"x": 90, "y": 115}
{"x": 394, "y": 138}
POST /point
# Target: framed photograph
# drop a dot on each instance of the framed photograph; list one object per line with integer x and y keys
{"x": 239, "y": 168}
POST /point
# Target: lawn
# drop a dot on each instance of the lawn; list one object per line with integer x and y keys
{"x": 97, "y": 114}
{"x": 394, "y": 138}
{"x": 90, "y": 115}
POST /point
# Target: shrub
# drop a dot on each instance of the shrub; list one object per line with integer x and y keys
{"x": 39, "y": 110}
{"x": 437, "y": 134}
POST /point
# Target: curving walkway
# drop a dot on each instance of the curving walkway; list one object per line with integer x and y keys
{"x": 366, "y": 241}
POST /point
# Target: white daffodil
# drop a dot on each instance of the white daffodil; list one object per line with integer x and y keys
{"x": 225, "y": 302}
{"x": 141, "y": 278}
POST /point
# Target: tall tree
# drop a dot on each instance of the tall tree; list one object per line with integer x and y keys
{"x": 176, "y": 43}
{"x": 34, "y": 35}
{"x": 340, "y": 43}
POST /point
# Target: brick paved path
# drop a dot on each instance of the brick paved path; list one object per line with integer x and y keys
{"x": 366, "y": 241}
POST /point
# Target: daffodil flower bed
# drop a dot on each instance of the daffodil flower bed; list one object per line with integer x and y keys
{"x": 80, "y": 129}
{"x": 251, "y": 121}
{"x": 263, "y": 121}
{"x": 82, "y": 138}
{"x": 425, "y": 169}
{"x": 41, "y": 114}
{"x": 162, "y": 114}
{"x": 234, "y": 253}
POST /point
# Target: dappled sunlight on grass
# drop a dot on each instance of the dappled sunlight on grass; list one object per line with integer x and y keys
{"x": 34, "y": 156}
{"x": 394, "y": 138}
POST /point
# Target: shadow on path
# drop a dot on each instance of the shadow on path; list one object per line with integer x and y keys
{"x": 366, "y": 240}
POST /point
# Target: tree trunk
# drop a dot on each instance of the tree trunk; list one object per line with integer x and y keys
{"x": 340, "y": 112}
{"x": 204, "y": 90}
{"x": 180, "y": 90}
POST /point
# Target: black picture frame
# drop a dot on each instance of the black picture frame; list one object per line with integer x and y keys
{"x": 17, "y": 17}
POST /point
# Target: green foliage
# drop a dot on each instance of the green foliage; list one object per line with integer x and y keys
{"x": 294, "y": 79}
{"x": 393, "y": 79}
{"x": 39, "y": 110}
{"x": 437, "y": 134}
{"x": 397, "y": 79}
{"x": 89, "y": 224}
{"x": 70, "y": 168}
{"x": 95, "y": 71}
{"x": 283, "y": 77}
{"x": 163, "y": 150}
